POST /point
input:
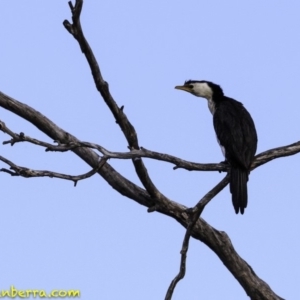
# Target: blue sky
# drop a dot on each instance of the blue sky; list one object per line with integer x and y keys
{"x": 55, "y": 236}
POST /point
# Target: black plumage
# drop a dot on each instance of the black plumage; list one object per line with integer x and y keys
{"x": 236, "y": 135}
{"x": 236, "y": 132}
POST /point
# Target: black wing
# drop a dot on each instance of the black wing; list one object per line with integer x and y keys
{"x": 236, "y": 132}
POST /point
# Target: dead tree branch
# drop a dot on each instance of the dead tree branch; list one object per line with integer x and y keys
{"x": 28, "y": 173}
{"x": 216, "y": 240}
{"x": 118, "y": 112}
{"x": 133, "y": 154}
{"x": 194, "y": 216}
{"x": 76, "y": 30}
{"x": 259, "y": 159}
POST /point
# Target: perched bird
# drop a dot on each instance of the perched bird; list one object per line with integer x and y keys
{"x": 235, "y": 132}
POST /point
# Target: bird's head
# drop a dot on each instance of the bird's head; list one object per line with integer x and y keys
{"x": 205, "y": 89}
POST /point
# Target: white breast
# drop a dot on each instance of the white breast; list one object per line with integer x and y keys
{"x": 211, "y": 106}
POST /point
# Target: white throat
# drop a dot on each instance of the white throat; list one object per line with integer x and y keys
{"x": 211, "y": 105}
{"x": 202, "y": 89}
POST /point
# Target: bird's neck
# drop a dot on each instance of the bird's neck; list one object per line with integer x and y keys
{"x": 211, "y": 105}
{"x": 214, "y": 102}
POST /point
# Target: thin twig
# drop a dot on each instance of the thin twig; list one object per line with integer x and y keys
{"x": 27, "y": 173}
{"x": 194, "y": 215}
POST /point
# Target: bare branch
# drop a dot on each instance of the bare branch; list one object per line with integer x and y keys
{"x": 194, "y": 216}
{"x": 117, "y": 181}
{"x": 102, "y": 86}
{"x": 215, "y": 240}
{"x": 27, "y": 173}
{"x": 133, "y": 154}
{"x": 271, "y": 154}
{"x": 259, "y": 159}
{"x": 21, "y": 137}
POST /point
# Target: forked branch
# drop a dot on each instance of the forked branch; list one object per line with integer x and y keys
{"x": 127, "y": 128}
{"x": 217, "y": 241}
{"x": 194, "y": 215}
{"x": 259, "y": 159}
{"x": 118, "y": 112}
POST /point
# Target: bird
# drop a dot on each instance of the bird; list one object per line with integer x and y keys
{"x": 236, "y": 135}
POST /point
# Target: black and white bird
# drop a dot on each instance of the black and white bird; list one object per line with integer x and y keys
{"x": 235, "y": 132}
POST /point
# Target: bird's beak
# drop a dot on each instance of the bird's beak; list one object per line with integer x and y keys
{"x": 183, "y": 88}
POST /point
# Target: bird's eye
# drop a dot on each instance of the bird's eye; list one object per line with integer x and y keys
{"x": 191, "y": 86}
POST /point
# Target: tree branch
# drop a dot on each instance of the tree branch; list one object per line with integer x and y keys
{"x": 194, "y": 216}
{"x": 27, "y": 173}
{"x": 214, "y": 239}
{"x": 259, "y": 159}
{"x": 102, "y": 86}
{"x": 271, "y": 154}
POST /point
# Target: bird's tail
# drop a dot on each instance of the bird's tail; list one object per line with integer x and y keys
{"x": 238, "y": 189}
